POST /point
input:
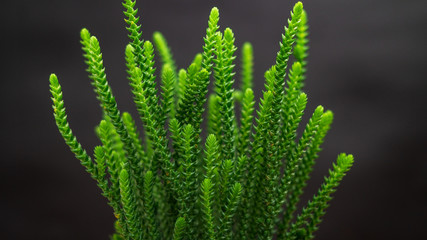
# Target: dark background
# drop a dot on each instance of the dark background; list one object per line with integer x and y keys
{"x": 367, "y": 63}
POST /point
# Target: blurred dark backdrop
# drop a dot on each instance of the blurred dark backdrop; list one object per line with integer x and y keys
{"x": 367, "y": 63}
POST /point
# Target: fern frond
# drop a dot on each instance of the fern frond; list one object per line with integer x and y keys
{"x": 164, "y": 51}
{"x": 246, "y": 122}
{"x": 288, "y": 39}
{"x": 189, "y": 182}
{"x": 101, "y": 165}
{"x": 293, "y": 88}
{"x": 107, "y": 191}
{"x": 225, "y": 183}
{"x": 151, "y": 225}
{"x": 247, "y": 67}
{"x": 303, "y": 174}
{"x": 119, "y": 231}
{"x": 135, "y": 77}
{"x": 175, "y": 130}
{"x": 130, "y": 62}
{"x": 134, "y": 29}
{"x": 198, "y": 61}
{"x": 185, "y": 111}
{"x": 168, "y": 87}
{"x": 109, "y": 105}
{"x": 254, "y": 191}
{"x": 65, "y": 130}
{"x": 180, "y": 226}
{"x": 149, "y": 83}
{"x": 166, "y": 58}
{"x": 271, "y": 144}
{"x": 182, "y": 82}
{"x": 212, "y": 155}
{"x": 142, "y": 163}
{"x": 206, "y": 201}
{"x": 160, "y": 160}
{"x": 130, "y": 209}
{"x": 113, "y": 160}
{"x": 224, "y": 89}
{"x": 191, "y": 108}
{"x": 295, "y": 162}
{"x": 277, "y": 84}
{"x": 147, "y": 114}
{"x": 136, "y": 85}
{"x": 301, "y": 47}
{"x": 211, "y": 164}
{"x": 210, "y": 40}
{"x": 214, "y": 125}
{"x": 293, "y": 165}
{"x": 315, "y": 209}
{"x": 225, "y": 230}
{"x": 85, "y": 42}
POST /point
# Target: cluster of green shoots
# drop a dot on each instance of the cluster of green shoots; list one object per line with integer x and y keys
{"x": 242, "y": 181}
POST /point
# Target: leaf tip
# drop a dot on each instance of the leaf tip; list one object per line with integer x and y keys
{"x": 214, "y": 12}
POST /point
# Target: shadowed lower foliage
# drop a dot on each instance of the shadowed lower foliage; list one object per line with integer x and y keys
{"x": 245, "y": 179}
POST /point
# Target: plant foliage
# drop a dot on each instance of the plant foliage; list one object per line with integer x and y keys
{"x": 245, "y": 179}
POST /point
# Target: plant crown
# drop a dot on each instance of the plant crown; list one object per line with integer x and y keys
{"x": 245, "y": 179}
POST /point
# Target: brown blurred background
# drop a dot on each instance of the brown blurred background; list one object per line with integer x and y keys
{"x": 367, "y": 64}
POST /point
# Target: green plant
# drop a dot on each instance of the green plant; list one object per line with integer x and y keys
{"x": 246, "y": 181}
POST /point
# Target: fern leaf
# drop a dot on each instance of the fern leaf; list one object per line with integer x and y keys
{"x": 295, "y": 161}
{"x": 112, "y": 193}
{"x": 175, "y": 130}
{"x": 306, "y": 167}
{"x": 214, "y": 125}
{"x": 212, "y": 154}
{"x": 168, "y": 83}
{"x": 188, "y": 186}
{"x": 164, "y": 51}
{"x": 109, "y": 105}
{"x": 142, "y": 163}
{"x": 136, "y": 85}
{"x": 276, "y": 84}
{"x": 134, "y": 29}
{"x": 247, "y": 67}
{"x": 119, "y": 231}
{"x": 113, "y": 160}
{"x": 246, "y": 123}
{"x": 198, "y": 61}
{"x": 227, "y": 168}
{"x": 190, "y": 109}
{"x": 210, "y": 39}
{"x": 65, "y": 130}
{"x": 101, "y": 165}
{"x": 225, "y": 230}
{"x": 151, "y": 227}
{"x": 301, "y": 47}
{"x": 206, "y": 201}
{"x": 253, "y": 190}
{"x": 288, "y": 39}
{"x": 85, "y": 42}
{"x": 315, "y": 209}
{"x": 149, "y": 83}
{"x": 130, "y": 209}
{"x": 224, "y": 89}
{"x": 180, "y": 226}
